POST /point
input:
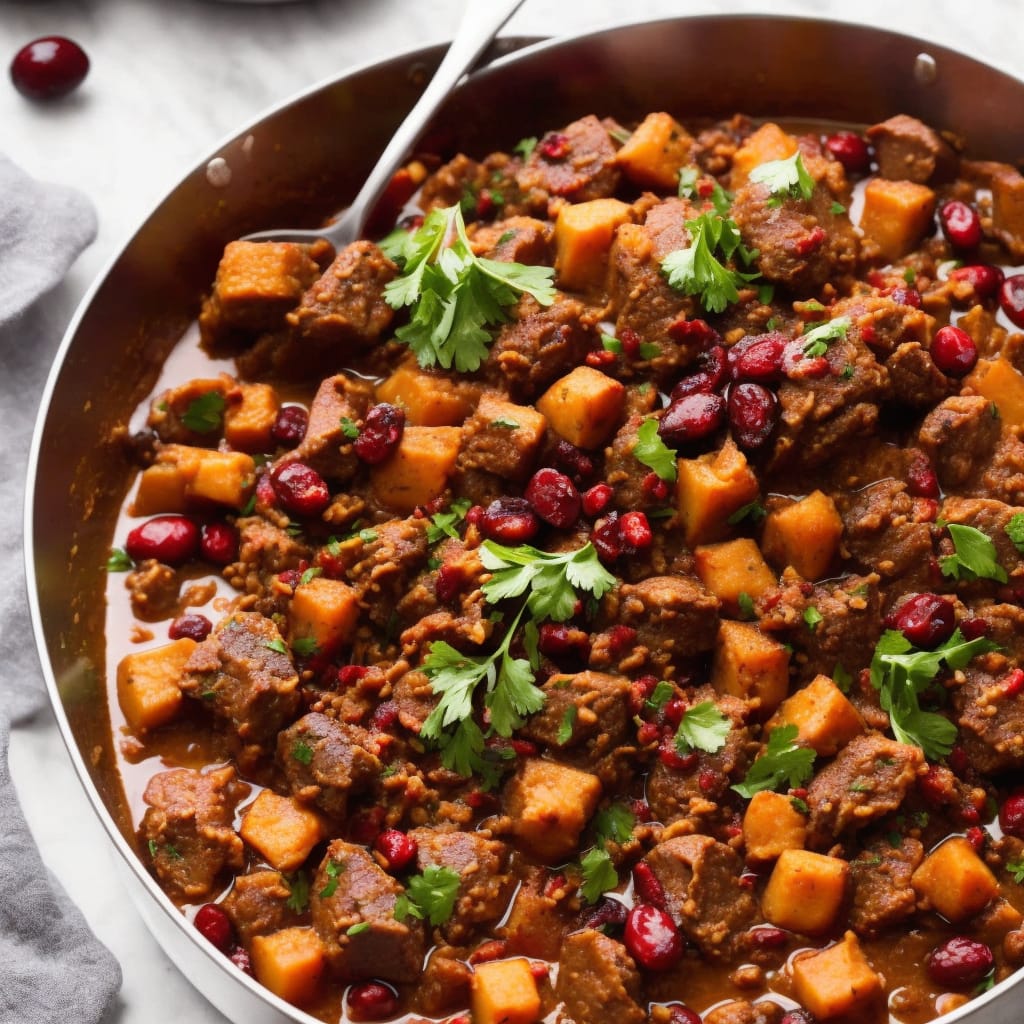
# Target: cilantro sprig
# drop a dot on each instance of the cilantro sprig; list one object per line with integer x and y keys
{"x": 702, "y": 727}
{"x": 614, "y": 824}
{"x": 205, "y": 414}
{"x": 817, "y": 338}
{"x": 974, "y": 556}
{"x": 1014, "y": 529}
{"x": 784, "y": 179}
{"x": 599, "y": 874}
{"x": 651, "y": 451}
{"x": 782, "y": 761}
{"x": 454, "y": 295}
{"x": 429, "y": 896}
{"x": 1016, "y": 869}
{"x": 444, "y": 524}
{"x": 901, "y": 673}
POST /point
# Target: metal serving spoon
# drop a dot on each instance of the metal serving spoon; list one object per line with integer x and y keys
{"x": 481, "y": 22}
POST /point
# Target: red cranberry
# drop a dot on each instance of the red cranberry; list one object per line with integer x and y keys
{"x": 670, "y": 757}
{"x": 984, "y": 278}
{"x": 960, "y": 962}
{"x": 906, "y": 297}
{"x": 169, "y": 539}
{"x": 219, "y": 543}
{"x": 1011, "y": 299}
{"x": 290, "y": 425}
{"x": 648, "y": 886}
{"x": 752, "y": 410}
{"x": 679, "y": 1014}
{"x": 762, "y": 360}
{"x": 509, "y": 521}
{"x": 798, "y": 1017}
{"x": 372, "y": 1000}
{"x": 349, "y": 675}
{"x": 215, "y": 926}
{"x": 635, "y": 530}
{"x": 384, "y": 716}
{"x": 398, "y": 849}
{"x": 767, "y": 937}
{"x": 554, "y": 146}
{"x": 976, "y": 837}
{"x": 922, "y": 481}
{"x": 1011, "y": 815}
{"x": 960, "y": 224}
{"x": 607, "y": 914}
{"x": 193, "y": 627}
{"x": 654, "y": 487}
{"x": 621, "y": 639}
{"x": 652, "y": 938}
{"x": 709, "y": 377}
{"x": 559, "y": 641}
{"x": 953, "y": 351}
{"x": 239, "y": 956}
{"x": 595, "y": 501}
{"x": 574, "y": 461}
{"x": 300, "y": 489}
{"x": 383, "y": 427}
{"x": 48, "y": 68}
{"x": 692, "y": 418}
{"x": 554, "y": 498}
{"x": 607, "y": 537}
{"x": 973, "y": 628}
{"x": 926, "y": 620}
{"x": 266, "y": 496}
{"x": 850, "y": 150}
{"x": 697, "y": 333}
{"x": 449, "y": 582}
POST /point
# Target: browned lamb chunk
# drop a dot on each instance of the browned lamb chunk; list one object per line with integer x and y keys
{"x": 959, "y": 436}
{"x": 523, "y": 240}
{"x": 908, "y": 150}
{"x": 598, "y": 981}
{"x": 991, "y": 720}
{"x": 258, "y": 904}
{"x": 502, "y": 438}
{"x": 882, "y": 893}
{"x": 577, "y": 163}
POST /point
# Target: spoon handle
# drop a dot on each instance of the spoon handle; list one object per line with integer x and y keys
{"x": 481, "y": 22}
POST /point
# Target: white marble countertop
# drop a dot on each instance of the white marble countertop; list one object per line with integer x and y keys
{"x": 168, "y": 80}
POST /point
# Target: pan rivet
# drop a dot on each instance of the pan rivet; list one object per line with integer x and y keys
{"x": 218, "y": 174}
{"x": 925, "y": 69}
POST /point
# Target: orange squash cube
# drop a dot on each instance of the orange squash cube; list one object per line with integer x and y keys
{"x": 955, "y": 880}
{"x": 709, "y": 489}
{"x": 429, "y": 399}
{"x": 583, "y": 238}
{"x": 418, "y": 471}
{"x": 896, "y": 215}
{"x": 732, "y": 568}
{"x": 249, "y": 416}
{"x": 290, "y": 963}
{"x": 804, "y": 535}
{"x": 750, "y": 665}
{"x": 769, "y": 142}
{"x": 825, "y": 720}
{"x": 836, "y": 981}
{"x": 656, "y": 152}
{"x": 1000, "y": 382}
{"x": 584, "y": 406}
{"x": 323, "y": 611}
{"x": 147, "y": 684}
{"x": 805, "y": 891}
{"x": 504, "y": 992}
{"x": 281, "y": 830}
{"x": 772, "y": 825}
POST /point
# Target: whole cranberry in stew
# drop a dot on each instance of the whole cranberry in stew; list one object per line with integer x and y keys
{"x": 372, "y": 1000}
{"x": 953, "y": 351}
{"x": 1011, "y": 815}
{"x": 679, "y": 1014}
{"x": 509, "y": 521}
{"x": 215, "y": 926}
{"x": 652, "y": 938}
{"x": 926, "y": 620}
{"x": 290, "y": 425}
{"x": 960, "y": 224}
{"x": 299, "y": 488}
{"x": 49, "y": 67}
{"x": 710, "y": 375}
{"x": 800, "y": 1016}
{"x": 984, "y": 278}
{"x": 960, "y": 962}
{"x": 554, "y": 497}
{"x": 1011, "y": 299}
{"x": 192, "y": 626}
{"x": 382, "y": 431}
{"x": 170, "y": 539}
{"x": 752, "y": 411}
{"x": 219, "y": 543}
{"x": 850, "y": 150}
{"x": 691, "y": 418}
{"x": 398, "y": 849}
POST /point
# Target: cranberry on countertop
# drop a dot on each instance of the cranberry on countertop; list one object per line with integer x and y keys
{"x": 49, "y": 67}
{"x": 170, "y": 539}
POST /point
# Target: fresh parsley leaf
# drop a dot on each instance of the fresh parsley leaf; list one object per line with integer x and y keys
{"x": 799, "y": 804}
{"x": 785, "y": 178}
{"x": 599, "y": 874}
{"x": 782, "y": 762}
{"x": 302, "y": 752}
{"x": 661, "y": 695}
{"x": 358, "y": 928}
{"x": 697, "y": 271}
{"x": 429, "y": 896}
{"x": 1016, "y": 869}
{"x": 119, "y": 561}
{"x": 367, "y": 536}
{"x": 837, "y": 209}
{"x": 610, "y": 344}
{"x": 1015, "y": 531}
{"x": 277, "y": 644}
{"x": 504, "y": 424}
{"x": 152, "y": 846}
{"x": 298, "y": 885}
{"x": 524, "y": 147}
{"x": 842, "y": 678}
{"x": 614, "y": 824}
{"x": 310, "y": 574}
{"x": 334, "y": 870}
{"x": 651, "y": 451}
{"x": 443, "y": 524}
{"x": 453, "y": 294}
{"x": 753, "y": 510}
{"x": 974, "y": 556}
{"x": 702, "y": 727}
{"x": 812, "y": 617}
{"x": 205, "y": 414}
{"x": 305, "y": 646}
{"x": 901, "y": 673}
{"x": 746, "y": 605}
{"x": 817, "y": 338}
{"x": 348, "y": 428}
{"x": 552, "y": 578}
{"x": 566, "y": 726}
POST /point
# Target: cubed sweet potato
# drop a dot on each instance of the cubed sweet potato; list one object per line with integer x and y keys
{"x": 583, "y": 237}
{"x": 805, "y": 535}
{"x": 161, "y": 489}
{"x": 999, "y": 382}
{"x": 224, "y": 478}
{"x": 896, "y": 215}
{"x": 281, "y": 830}
{"x": 249, "y": 416}
{"x": 955, "y": 880}
{"x": 505, "y": 992}
{"x": 1008, "y": 209}
{"x": 183, "y": 477}
{"x": 710, "y": 488}
{"x": 750, "y": 665}
{"x": 837, "y": 980}
{"x": 418, "y": 471}
{"x": 549, "y": 805}
{"x": 429, "y": 399}
{"x": 323, "y": 611}
{"x": 502, "y": 438}
{"x": 769, "y": 142}
{"x": 290, "y": 963}
{"x": 655, "y": 153}
{"x": 826, "y": 721}
{"x": 805, "y": 891}
{"x": 147, "y": 684}
{"x": 732, "y": 568}
{"x": 772, "y": 825}
{"x": 584, "y": 406}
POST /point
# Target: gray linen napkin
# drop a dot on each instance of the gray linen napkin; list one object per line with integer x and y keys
{"x": 52, "y": 968}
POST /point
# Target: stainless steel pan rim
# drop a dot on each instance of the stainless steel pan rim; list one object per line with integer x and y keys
{"x": 227, "y": 988}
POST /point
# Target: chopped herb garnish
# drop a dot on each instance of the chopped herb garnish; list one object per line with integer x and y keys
{"x": 861, "y": 786}
{"x": 505, "y": 236}
{"x": 525, "y": 147}
{"x": 614, "y": 824}
{"x": 367, "y": 536}
{"x": 753, "y": 510}
{"x": 172, "y": 852}
{"x": 661, "y": 695}
{"x": 205, "y": 414}
{"x": 310, "y": 574}
{"x": 837, "y": 208}
{"x": 443, "y": 524}
{"x": 910, "y": 275}
{"x": 895, "y": 840}
{"x": 746, "y": 605}
{"x": 1016, "y": 869}
{"x": 454, "y": 295}
{"x": 305, "y": 646}
{"x": 599, "y": 875}
{"x": 152, "y": 847}
{"x": 842, "y": 678}
{"x": 503, "y": 424}
{"x": 429, "y": 896}
{"x": 119, "y": 561}
{"x": 298, "y": 885}
{"x": 702, "y": 727}
{"x": 348, "y": 428}
{"x": 610, "y": 344}
{"x": 799, "y": 804}
{"x": 648, "y": 350}
{"x": 334, "y": 870}
{"x": 847, "y": 373}
{"x": 651, "y": 451}
{"x": 566, "y": 726}
{"x": 901, "y": 673}
{"x": 817, "y": 338}
{"x": 277, "y": 644}
{"x": 359, "y": 928}
{"x": 812, "y": 617}
{"x": 782, "y": 762}
{"x": 784, "y": 179}
{"x": 974, "y": 556}
{"x": 302, "y": 752}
